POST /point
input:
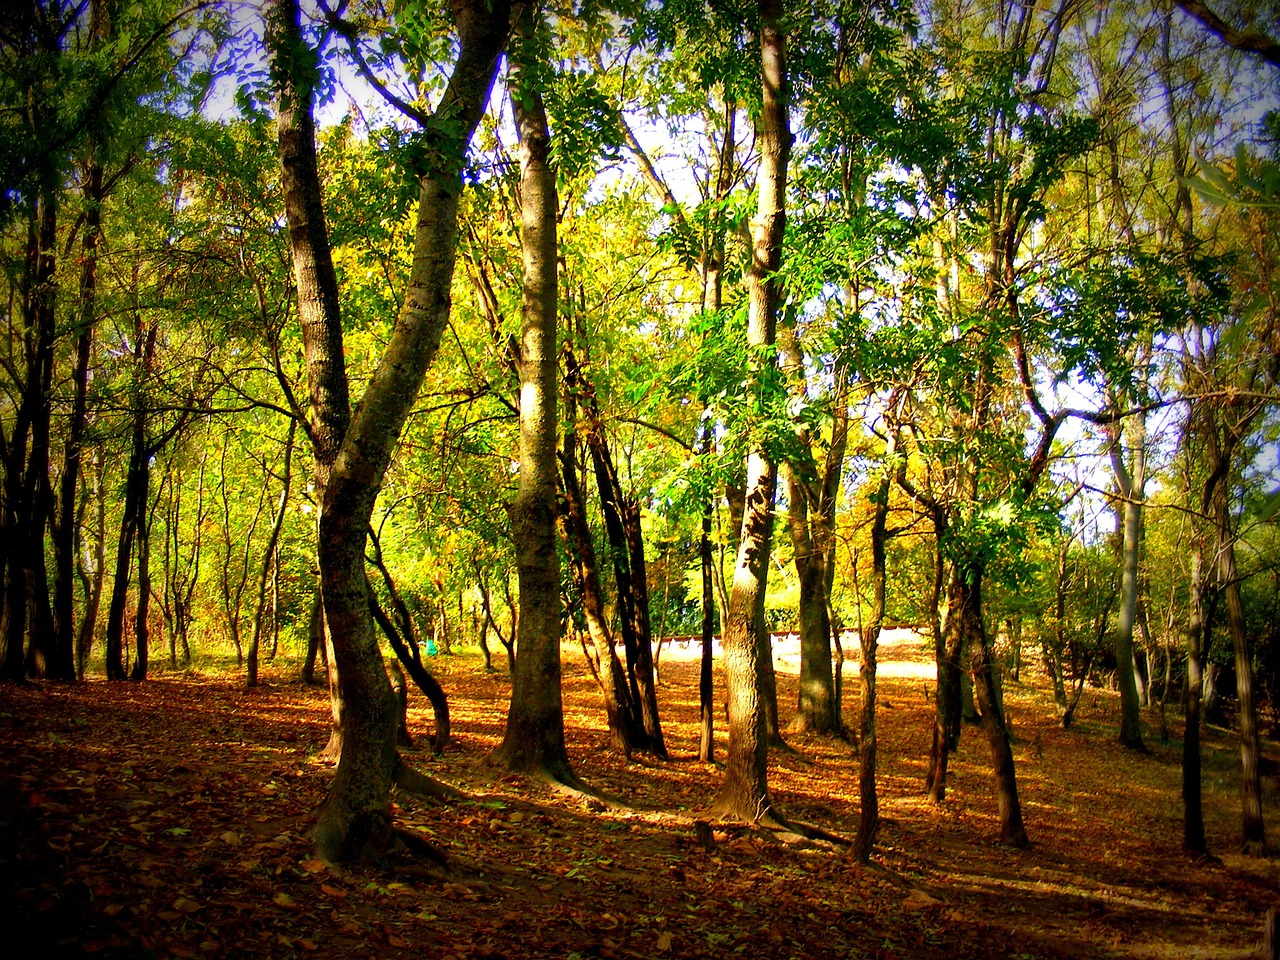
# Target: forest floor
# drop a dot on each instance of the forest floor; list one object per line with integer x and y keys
{"x": 169, "y": 819}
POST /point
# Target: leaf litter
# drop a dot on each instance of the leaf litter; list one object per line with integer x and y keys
{"x": 170, "y": 819}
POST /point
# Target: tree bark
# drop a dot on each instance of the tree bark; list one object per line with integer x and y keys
{"x": 1253, "y": 829}
{"x": 354, "y": 822}
{"x": 1193, "y": 838}
{"x": 745, "y": 792}
{"x": 1131, "y": 482}
{"x": 869, "y": 805}
{"x": 948, "y": 703}
{"x": 534, "y": 738}
{"x": 967, "y": 599}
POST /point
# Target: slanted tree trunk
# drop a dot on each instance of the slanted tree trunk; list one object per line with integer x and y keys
{"x": 626, "y": 548}
{"x": 534, "y": 738}
{"x": 354, "y": 823}
{"x": 625, "y": 731}
{"x": 745, "y": 792}
{"x": 966, "y": 598}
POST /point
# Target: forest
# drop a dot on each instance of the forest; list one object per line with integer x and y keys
{"x": 623, "y": 478}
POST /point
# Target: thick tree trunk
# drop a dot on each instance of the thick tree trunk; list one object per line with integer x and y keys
{"x": 745, "y": 793}
{"x": 534, "y": 737}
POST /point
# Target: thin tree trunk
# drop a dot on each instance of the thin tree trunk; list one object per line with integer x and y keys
{"x": 66, "y": 530}
{"x": 706, "y": 695}
{"x": 142, "y": 628}
{"x": 624, "y": 728}
{"x": 92, "y": 580}
{"x": 268, "y": 557}
{"x": 1193, "y": 837}
{"x": 1131, "y": 484}
{"x": 869, "y": 806}
{"x": 967, "y": 597}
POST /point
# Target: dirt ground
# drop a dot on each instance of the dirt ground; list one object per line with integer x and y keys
{"x": 170, "y": 818}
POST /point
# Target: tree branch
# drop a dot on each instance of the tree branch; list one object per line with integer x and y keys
{"x": 1257, "y": 43}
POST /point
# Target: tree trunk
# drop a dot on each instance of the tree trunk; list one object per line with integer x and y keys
{"x": 268, "y": 557}
{"x": 315, "y": 636}
{"x": 624, "y": 729}
{"x": 534, "y": 737}
{"x": 869, "y": 805}
{"x": 745, "y": 792}
{"x": 66, "y": 529}
{"x": 1193, "y": 838}
{"x": 1253, "y": 830}
{"x": 354, "y": 822}
{"x": 142, "y": 629}
{"x": 967, "y": 599}
{"x": 135, "y": 506}
{"x": 92, "y": 580}
{"x": 949, "y": 646}
{"x": 1131, "y": 484}
{"x": 706, "y": 695}
{"x": 815, "y": 704}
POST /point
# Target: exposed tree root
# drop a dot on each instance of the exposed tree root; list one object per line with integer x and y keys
{"x": 420, "y": 846}
{"x": 773, "y": 825}
{"x": 421, "y": 785}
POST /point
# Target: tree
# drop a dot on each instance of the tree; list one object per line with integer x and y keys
{"x": 745, "y": 792}
{"x": 534, "y": 736}
{"x": 355, "y": 820}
